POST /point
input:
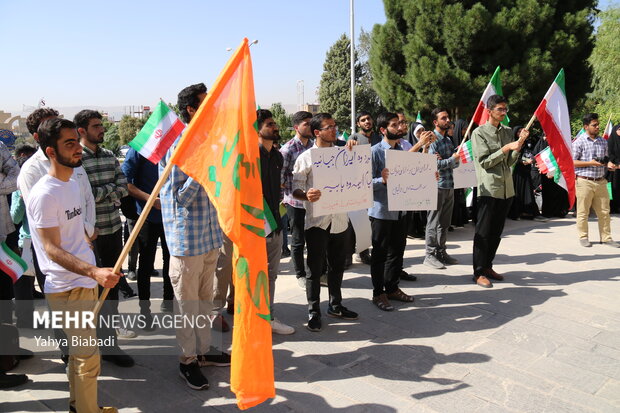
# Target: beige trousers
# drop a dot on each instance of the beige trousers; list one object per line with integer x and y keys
{"x": 593, "y": 194}
{"x": 192, "y": 281}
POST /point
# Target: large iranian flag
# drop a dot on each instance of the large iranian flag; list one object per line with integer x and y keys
{"x": 481, "y": 116}
{"x": 552, "y": 113}
{"x": 158, "y": 134}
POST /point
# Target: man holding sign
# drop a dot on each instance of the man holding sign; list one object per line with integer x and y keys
{"x": 388, "y": 227}
{"x": 325, "y": 235}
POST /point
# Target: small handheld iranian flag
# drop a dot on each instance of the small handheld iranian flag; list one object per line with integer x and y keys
{"x": 552, "y": 113}
{"x": 419, "y": 118}
{"x": 158, "y": 134}
{"x": 608, "y": 128}
{"x": 465, "y": 152}
{"x": 546, "y": 163}
{"x": 481, "y": 116}
{"x": 11, "y": 263}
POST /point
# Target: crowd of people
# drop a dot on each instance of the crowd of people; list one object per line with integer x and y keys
{"x": 67, "y": 196}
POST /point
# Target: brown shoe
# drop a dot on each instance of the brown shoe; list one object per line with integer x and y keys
{"x": 399, "y": 295}
{"x": 382, "y": 302}
{"x": 490, "y": 273}
{"x": 483, "y": 281}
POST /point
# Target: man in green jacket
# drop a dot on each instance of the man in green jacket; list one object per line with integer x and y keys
{"x": 494, "y": 153}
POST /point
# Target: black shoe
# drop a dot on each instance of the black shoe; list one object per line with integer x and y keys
{"x": 131, "y": 275}
{"x": 342, "y": 312}
{"x": 119, "y": 358}
{"x": 167, "y": 306}
{"x": 155, "y": 273}
{"x": 365, "y": 257}
{"x": 286, "y": 252}
{"x": 314, "y": 323}
{"x": 65, "y": 358}
{"x": 404, "y": 275}
{"x": 193, "y": 376}
{"x": 37, "y": 295}
{"x": 214, "y": 358}
{"x": 128, "y": 293}
{"x": 12, "y": 380}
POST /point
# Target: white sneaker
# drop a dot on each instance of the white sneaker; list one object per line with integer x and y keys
{"x": 280, "y": 328}
{"x": 125, "y": 333}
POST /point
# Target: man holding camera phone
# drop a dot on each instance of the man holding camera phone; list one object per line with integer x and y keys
{"x": 591, "y": 164}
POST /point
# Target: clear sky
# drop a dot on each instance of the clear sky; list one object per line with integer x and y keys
{"x": 117, "y": 53}
{"x": 114, "y": 53}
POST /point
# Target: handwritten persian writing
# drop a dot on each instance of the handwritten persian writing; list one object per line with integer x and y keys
{"x": 411, "y": 184}
{"x": 465, "y": 176}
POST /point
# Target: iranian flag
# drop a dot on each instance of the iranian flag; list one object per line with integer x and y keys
{"x": 158, "y": 134}
{"x": 465, "y": 152}
{"x": 608, "y": 128}
{"x": 11, "y": 263}
{"x": 552, "y": 113}
{"x": 546, "y": 163}
{"x": 481, "y": 116}
{"x": 419, "y": 118}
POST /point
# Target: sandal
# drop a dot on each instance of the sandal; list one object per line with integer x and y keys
{"x": 399, "y": 295}
{"x": 382, "y": 302}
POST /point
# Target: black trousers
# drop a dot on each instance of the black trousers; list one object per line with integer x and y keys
{"x": 107, "y": 250}
{"x": 324, "y": 246}
{"x": 492, "y": 214}
{"x": 148, "y": 238}
{"x": 296, "y": 221}
{"x": 386, "y": 261}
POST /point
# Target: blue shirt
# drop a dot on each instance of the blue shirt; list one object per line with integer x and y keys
{"x": 143, "y": 174}
{"x": 379, "y": 208}
{"x": 190, "y": 220}
{"x": 445, "y": 148}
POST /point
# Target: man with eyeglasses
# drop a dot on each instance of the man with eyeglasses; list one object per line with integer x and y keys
{"x": 591, "y": 164}
{"x": 325, "y": 235}
{"x": 495, "y": 152}
{"x": 301, "y": 142}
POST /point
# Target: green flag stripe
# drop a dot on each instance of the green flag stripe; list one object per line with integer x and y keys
{"x": 8, "y": 251}
{"x": 161, "y": 110}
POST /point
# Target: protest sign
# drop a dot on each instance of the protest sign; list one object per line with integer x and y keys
{"x": 411, "y": 185}
{"x": 465, "y": 176}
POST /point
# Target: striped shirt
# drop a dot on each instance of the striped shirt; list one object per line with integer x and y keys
{"x": 586, "y": 149}
{"x": 290, "y": 152}
{"x": 190, "y": 220}
{"x": 109, "y": 185}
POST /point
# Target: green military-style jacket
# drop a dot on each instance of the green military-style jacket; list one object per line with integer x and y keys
{"x": 492, "y": 165}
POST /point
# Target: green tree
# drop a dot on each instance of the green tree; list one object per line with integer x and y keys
{"x": 128, "y": 128}
{"x": 605, "y": 61}
{"x": 335, "y": 86}
{"x": 443, "y": 52}
{"x": 283, "y": 120}
{"x": 111, "y": 138}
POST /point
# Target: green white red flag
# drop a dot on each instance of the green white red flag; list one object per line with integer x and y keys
{"x": 11, "y": 263}
{"x": 552, "y": 113}
{"x": 546, "y": 163}
{"x": 465, "y": 152}
{"x": 481, "y": 116}
{"x": 608, "y": 128}
{"x": 419, "y": 118}
{"x": 158, "y": 134}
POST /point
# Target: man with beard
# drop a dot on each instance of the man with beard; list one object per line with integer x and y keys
{"x": 388, "y": 229}
{"x": 270, "y": 169}
{"x": 438, "y": 221}
{"x": 495, "y": 152}
{"x": 54, "y": 208}
{"x": 325, "y": 235}
{"x": 295, "y": 210}
{"x": 109, "y": 185}
{"x": 366, "y": 134}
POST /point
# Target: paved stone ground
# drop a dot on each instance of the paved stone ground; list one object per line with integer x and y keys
{"x": 545, "y": 340}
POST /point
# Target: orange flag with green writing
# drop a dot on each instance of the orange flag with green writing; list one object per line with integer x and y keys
{"x": 219, "y": 149}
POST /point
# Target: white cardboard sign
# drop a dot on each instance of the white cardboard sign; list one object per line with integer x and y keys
{"x": 465, "y": 176}
{"x": 411, "y": 185}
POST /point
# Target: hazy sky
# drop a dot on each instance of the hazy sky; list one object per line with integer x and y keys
{"x": 115, "y": 53}
{"x": 112, "y": 53}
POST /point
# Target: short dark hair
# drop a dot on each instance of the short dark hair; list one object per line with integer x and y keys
{"x": 300, "y": 116}
{"x": 82, "y": 118}
{"x": 24, "y": 149}
{"x": 384, "y": 119}
{"x": 437, "y": 111}
{"x": 34, "y": 119}
{"x": 360, "y": 114}
{"x": 317, "y": 121}
{"x": 49, "y": 132}
{"x": 189, "y": 97}
{"x": 589, "y": 117}
{"x": 261, "y": 116}
{"x": 495, "y": 100}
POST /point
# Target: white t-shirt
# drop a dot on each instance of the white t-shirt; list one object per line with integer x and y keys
{"x": 55, "y": 203}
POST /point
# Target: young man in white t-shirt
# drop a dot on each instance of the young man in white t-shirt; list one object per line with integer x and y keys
{"x": 55, "y": 215}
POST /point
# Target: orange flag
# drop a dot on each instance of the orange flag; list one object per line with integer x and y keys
{"x": 219, "y": 149}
